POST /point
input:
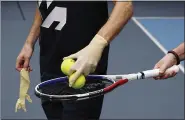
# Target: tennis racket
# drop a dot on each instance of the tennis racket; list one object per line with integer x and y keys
{"x": 96, "y": 85}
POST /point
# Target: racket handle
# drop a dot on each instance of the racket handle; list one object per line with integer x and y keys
{"x": 155, "y": 72}
{"x": 142, "y": 75}
{"x": 150, "y": 73}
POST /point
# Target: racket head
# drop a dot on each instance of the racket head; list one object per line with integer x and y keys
{"x": 58, "y": 88}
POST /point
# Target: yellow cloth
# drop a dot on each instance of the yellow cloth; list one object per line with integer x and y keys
{"x": 24, "y": 86}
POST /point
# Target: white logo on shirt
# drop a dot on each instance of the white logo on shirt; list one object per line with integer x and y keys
{"x": 58, "y": 14}
{"x": 48, "y": 2}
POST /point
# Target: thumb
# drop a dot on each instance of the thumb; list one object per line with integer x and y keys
{"x": 72, "y": 56}
{"x": 156, "y": 66}
{"x": 162, "y": 69}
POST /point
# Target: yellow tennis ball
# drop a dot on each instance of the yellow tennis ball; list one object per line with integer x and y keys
{"x": 79, "y": 83}
{"x": 66, "y": 65}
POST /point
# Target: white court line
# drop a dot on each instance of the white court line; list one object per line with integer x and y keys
{"x": 161, "y": 47}
{"x": 182, "y": 17}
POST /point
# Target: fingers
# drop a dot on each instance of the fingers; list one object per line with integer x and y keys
{"x": 23, "y": 63}
{"x": 156, "y": 67}
{"x": 75, "y": 76}
{"x": 79, "y": 64}
{"x": 26, "y": 63}
{"x": 19, "y": 64}
{"x": 30, "y": 69}
{"x": 162, "y": 69}
{"x": 168, "y": 75}
{"x": 164, "y": 74}
{"x": 162, "y": 66}
{"x": 75, "y": 66}
{"x": 166, "y": 62}
{"x": 73, "y": 56}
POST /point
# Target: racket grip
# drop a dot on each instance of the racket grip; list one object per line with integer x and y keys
{"x": 155, "y": 72}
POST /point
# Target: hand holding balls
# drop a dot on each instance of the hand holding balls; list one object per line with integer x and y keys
{"x": 65, "y": 67}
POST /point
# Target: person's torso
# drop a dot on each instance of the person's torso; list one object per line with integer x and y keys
{"x": 66, "y": 28}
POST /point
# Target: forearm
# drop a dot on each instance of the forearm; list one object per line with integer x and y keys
{"x": 119, "y": 17}
{"x": 180, "y": 51}
{"x": 35, "y": 29}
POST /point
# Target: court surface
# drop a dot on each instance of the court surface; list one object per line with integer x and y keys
{"x": 155, "y": 28}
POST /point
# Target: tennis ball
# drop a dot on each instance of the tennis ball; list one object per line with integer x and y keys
{"x": 79, "y": 83}
{"x": 66, "y": 65}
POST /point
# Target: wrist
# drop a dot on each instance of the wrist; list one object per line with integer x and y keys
{"x": 31, "y": 39}
{"x": 99, "y": 41}
{"x": 175, "y": 56}
{"x": 30, "y": 42}
{"x": 180, "y": 51}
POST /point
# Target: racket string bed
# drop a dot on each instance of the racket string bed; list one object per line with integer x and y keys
{"x": 62, "y": 88}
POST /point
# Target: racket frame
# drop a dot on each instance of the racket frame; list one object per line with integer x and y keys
{"x": 116, "y": 80}
{"x": 76, "y": 96}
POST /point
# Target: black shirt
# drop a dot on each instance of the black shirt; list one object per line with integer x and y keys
{"x": 67, "y": 27}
